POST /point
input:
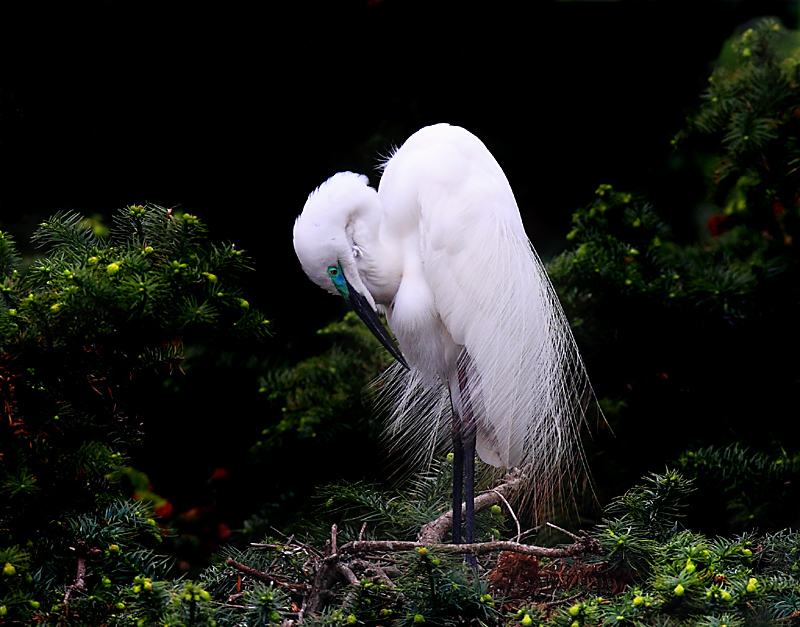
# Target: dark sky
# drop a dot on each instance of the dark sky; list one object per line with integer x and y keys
{"x": 236, "y": 111}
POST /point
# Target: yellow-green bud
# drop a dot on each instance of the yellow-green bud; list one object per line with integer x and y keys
{"x": 637, "y": 600}
{"x": 496, "y": 510}
{"x": 112, "y": 268}
{"x": 679, "y": 590}
{"x": 574, "y": 610}
{"x": 9, "y": 569}
{"x": 419, "y": 618}
{"x": 527, "y": 621}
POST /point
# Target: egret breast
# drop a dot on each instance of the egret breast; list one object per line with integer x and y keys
{"x": 417, "y": 326}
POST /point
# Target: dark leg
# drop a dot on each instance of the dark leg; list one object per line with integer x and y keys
{"x": 469, "y": 487}
{"x": 469, "y": 490}
{"x": 458, "y": 472}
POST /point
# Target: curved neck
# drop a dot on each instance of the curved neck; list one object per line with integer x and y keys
{"x": 379, "y": 262}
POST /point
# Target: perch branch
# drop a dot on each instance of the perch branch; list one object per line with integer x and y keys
{"x": 584, "y": 545}
{"x": 435, "y": 530}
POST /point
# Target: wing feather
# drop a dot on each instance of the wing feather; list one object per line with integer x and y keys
{"x": 526, "y": 384}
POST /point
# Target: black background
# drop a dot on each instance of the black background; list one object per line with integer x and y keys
{"x": 236, "y": 111}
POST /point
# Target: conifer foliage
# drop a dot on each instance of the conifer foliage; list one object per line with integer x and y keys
{"x": 753, "y": 111}
{"x": 77, "y": 332}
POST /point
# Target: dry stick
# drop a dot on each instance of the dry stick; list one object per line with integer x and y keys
{"x": 513, "y": 515}
{"x": 257, "y": 574}
{"x": 345, "y": 571}
{"x": 564, "y": 531}
{"x": 563, "y": 601}
{"x": 79, "y": 584}
{"x": 435, "y": 530}
{"x": 334, "y": 533}
{"x": 373, "y": 570}
{"x": 479, "y": 548}
{"x": 83, "y": 551}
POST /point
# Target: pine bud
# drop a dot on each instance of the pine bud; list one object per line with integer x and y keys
{"x": 9, "y": 569}
{"x": 679, "y": 590}
{"x": 574, "y": 610}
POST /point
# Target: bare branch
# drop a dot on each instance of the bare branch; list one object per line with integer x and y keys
{"x": 266, "y": 577}
{"x": 436, "y": 530}
{"x": 479, "y": 548}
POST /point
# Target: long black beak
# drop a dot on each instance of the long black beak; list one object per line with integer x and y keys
{"x": 365, "y": 311}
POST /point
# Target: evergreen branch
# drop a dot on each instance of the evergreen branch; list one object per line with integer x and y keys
{"x": 69, "y": 232}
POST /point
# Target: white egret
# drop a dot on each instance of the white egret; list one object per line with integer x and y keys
{"x": 440, "y": 249}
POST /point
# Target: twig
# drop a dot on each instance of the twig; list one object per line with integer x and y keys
{"x": 564, "y": 531}
{"x": 373, "y": 570}
{"x": 531, "y": 532}
{"x": 513, "y": 515}
{"x": 257, "y": 574}
{"x": 79, "y": 584}
{"x": 574, "y": 597}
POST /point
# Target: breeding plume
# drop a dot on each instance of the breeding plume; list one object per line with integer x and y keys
{"x": 486, "y": 354}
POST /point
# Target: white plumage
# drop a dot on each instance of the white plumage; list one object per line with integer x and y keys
{"x": 441, "y": 250}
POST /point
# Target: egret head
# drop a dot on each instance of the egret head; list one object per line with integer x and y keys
{"x": 323, "y": 231}
{"x": 323, "y": 241}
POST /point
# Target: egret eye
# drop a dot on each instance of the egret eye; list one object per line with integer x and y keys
{"x": 333, "y": 272}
